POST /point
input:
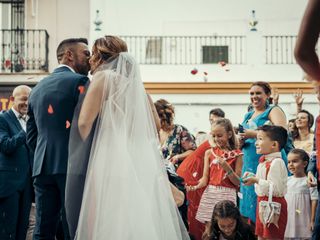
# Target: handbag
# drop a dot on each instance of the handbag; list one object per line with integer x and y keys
{"x": 269, "y": 211}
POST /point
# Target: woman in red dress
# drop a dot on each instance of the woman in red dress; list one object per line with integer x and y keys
{"x": 191, "y": 170}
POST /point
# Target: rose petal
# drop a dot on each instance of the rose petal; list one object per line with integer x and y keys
{"x": 194, "y": 71}
{"x": 222, "y": 63}
{"x": 81, "y": 89}
{"x": 50, "y": 109}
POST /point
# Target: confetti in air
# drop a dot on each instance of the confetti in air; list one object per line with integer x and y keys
{"x": 81, "y": 89}
{"x": 194, "y": 71}
{"x": 50, "y": 109}
{"x": 222, "y": 63}
{"x": 67, "y": 124}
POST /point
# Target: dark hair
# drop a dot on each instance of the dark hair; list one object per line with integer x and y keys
{"x": 295, "y": 132}
{"x": 227, "y": 209}
{"x": 201, "y": 132}
{"x": 68, "y": 44}
{"x": 303, "y": 155}
{"x": 292, "y": 120}
{"x": 266, "y": 88}
{"x": 310, "y": 118}
{"x": 227, "y": 125}
{"x": 276, "y": 133}
{"x": 165, "y": 111}
{"x": 217, "y": 112}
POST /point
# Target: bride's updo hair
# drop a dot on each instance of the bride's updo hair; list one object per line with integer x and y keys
{"x": 106, "y": 49}
{"x": 165, "y": 111}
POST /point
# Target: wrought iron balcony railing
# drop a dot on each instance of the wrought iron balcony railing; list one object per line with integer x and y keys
{"x": 184, "y": 50}
{"x": 24, "y": 50}
{"x": 279, "y": 49}
{"x": 181, "y": 50}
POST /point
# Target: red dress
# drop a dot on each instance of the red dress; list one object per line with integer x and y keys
{"x": 191, "y": 170}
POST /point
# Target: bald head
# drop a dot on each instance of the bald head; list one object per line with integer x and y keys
{"x": 20, "y": 97}
{"x": 20, "y": 89}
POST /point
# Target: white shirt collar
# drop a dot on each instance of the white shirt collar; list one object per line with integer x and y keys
{"x": 273, "y": 155}
{"x": 15, "y": 112}
{"x": 64, "y": 65}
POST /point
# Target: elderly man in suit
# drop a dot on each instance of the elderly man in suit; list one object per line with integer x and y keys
{"x": 15, "y": 168}
{"x": 51, "y": 107}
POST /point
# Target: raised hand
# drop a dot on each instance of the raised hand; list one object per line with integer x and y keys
{"x": 298, "y": 97}
{"x": 275, "y": 96}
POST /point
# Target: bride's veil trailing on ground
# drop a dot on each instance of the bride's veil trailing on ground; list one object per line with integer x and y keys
{"x": 127, "y": 194}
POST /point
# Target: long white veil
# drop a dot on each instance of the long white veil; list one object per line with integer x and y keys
{"x": 127, "y": 195}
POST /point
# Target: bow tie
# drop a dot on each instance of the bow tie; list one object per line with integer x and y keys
{"x": 262, "y": 159}
{"x": 23, "y": 117}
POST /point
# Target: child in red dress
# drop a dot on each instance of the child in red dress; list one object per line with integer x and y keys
{"x": 222, "y": 168}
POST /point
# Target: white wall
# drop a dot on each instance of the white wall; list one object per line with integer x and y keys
{"x": 201, "y": 17}
{"x": 61, "y": 18}
{"x": 206, "y": 17}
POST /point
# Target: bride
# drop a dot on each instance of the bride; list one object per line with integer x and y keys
{"x": 126, "y": 195}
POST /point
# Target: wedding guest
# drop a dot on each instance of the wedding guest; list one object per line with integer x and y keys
{"x": 216, "y": 114}
{"x": 291, "y": 125}
{"x": 263, "y": 112}
{"x": 191, "y": 170}
{"x": 301, "y": 200}
{"x": 221, "y": 172}
{"x": 15, "y": 168}
{"x": 226, "y": 223}
{"x": 51, "y": 106}
{"x": 271, "y": 174}
{"x": 307, "y": 58}
{"x": 302, "y": 135}
{"x": 176, "y": 141}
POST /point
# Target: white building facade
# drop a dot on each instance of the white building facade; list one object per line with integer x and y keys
{"x": 172, "y": 38}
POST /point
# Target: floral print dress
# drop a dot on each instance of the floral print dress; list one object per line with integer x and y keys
{"x": 180, "y": 141}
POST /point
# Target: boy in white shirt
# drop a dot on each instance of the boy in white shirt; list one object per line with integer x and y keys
{"x": 271, "y": 178}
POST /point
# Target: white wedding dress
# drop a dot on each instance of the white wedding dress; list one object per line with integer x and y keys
{"x": 127, "y": 195}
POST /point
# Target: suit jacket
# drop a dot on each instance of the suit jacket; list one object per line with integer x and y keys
{"x": 15, "y": 160}
{"x": 51, "y": 106}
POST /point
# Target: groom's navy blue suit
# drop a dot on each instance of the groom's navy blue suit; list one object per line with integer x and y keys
{"x": 51, "y": 108}
{"x": 15, "y": 178}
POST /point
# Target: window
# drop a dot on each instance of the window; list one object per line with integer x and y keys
{"x": 214, "y": 54}
{"x": 154, "y": 51}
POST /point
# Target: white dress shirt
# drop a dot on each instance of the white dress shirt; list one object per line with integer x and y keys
{"x": 277, "y": 175}
{"x": 22, "y": 121}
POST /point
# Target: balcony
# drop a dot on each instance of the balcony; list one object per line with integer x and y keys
{"x": 195, "y": 50}
{"x": 186, "y": 50}
{"x": 24, "y": 51}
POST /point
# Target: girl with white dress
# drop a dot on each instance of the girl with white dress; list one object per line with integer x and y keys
{"x": 301, "y": 200}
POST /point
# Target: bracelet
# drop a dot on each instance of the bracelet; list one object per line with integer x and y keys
{"x": 229, "y": 172}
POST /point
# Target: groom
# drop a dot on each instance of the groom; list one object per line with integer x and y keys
{"x": 51, "y": 106}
